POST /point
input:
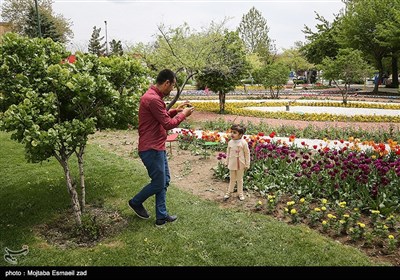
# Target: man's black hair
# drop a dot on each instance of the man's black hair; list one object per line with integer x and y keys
{"x": 165, "y": 75}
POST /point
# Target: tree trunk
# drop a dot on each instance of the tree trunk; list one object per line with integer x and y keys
{"x": 380, "y": 68}
{"x": 71, "y": 190}
{"x": 272, "y": 93}
{"x": 376, "y": 85}
{"x": 82, "y": 177}
{"x": 395, "y": 72}
{"x": 342, "y": 91}
{"x": 221, "y": 96}
{"x": 345, "y": 93}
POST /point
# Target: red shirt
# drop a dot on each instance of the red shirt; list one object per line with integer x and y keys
{"x": 155, "y": 120}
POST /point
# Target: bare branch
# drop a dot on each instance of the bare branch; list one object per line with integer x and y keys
{"x": 179, "y": 90}
{"x": 164, "y": 35}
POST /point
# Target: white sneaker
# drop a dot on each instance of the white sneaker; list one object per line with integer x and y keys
{"x": 226, "y": 196}
{"x": 241, "y": 197}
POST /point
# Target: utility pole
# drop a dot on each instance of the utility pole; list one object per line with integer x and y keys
{"x": 38, "y": 20}
{"x": 105, "y": 22}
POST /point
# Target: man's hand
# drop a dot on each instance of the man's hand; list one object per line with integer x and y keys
{"x": 185, "y": 104}
{"x": 188, "y": 111}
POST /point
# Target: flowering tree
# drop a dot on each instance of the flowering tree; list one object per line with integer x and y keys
{"x": 52, "y": 107}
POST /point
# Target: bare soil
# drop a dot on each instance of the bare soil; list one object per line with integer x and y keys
{"x": 193, "y": 173}
{"x": 97, "y": 224}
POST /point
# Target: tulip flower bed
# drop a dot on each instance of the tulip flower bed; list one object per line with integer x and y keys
{"x": 369, "y": 178}
{"x": 342, "y": 188}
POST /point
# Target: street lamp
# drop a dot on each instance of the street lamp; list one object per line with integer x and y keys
{"x": 38, "y": 19}
{"x": 105, "y": 23}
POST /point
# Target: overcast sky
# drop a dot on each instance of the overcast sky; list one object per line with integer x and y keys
{"x": 136, "y": 21}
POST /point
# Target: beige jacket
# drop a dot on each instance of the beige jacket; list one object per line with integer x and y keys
{"x": 238, "y": 154}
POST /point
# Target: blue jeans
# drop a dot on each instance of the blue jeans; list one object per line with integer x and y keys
{"x": 157, "y": 167}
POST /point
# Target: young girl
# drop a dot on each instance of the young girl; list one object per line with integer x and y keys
{"x": 238, "y": 160}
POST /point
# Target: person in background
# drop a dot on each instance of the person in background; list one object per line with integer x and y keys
{"x": 154, "y": 122}
{"x": 238, "y": 160}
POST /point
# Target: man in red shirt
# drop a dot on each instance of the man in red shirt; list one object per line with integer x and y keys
{"x": 154, "y": 122}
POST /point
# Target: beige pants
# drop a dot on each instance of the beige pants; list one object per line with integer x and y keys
{"x": 236, "y": 176}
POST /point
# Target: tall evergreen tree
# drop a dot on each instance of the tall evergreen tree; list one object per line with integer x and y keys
{"x": 253, "y": 30}
{"x": 95, "y": 45}
{"x": 47, "y": 25}
{"x": 116, "y": 47}
{"x": 17, "y": 12}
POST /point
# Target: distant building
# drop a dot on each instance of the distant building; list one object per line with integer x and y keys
{"x": 4, "y": 28}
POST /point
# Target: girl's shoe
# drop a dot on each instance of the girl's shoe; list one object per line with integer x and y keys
{"x": 241, "y": 197}
{"x": 226, "y": 197}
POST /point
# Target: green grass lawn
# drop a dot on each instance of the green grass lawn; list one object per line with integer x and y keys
{"x": 204, "y": 235}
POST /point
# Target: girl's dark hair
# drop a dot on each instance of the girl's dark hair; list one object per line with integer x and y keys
{"x": 239, "y": 128}
{"x": 165, "y": 75}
